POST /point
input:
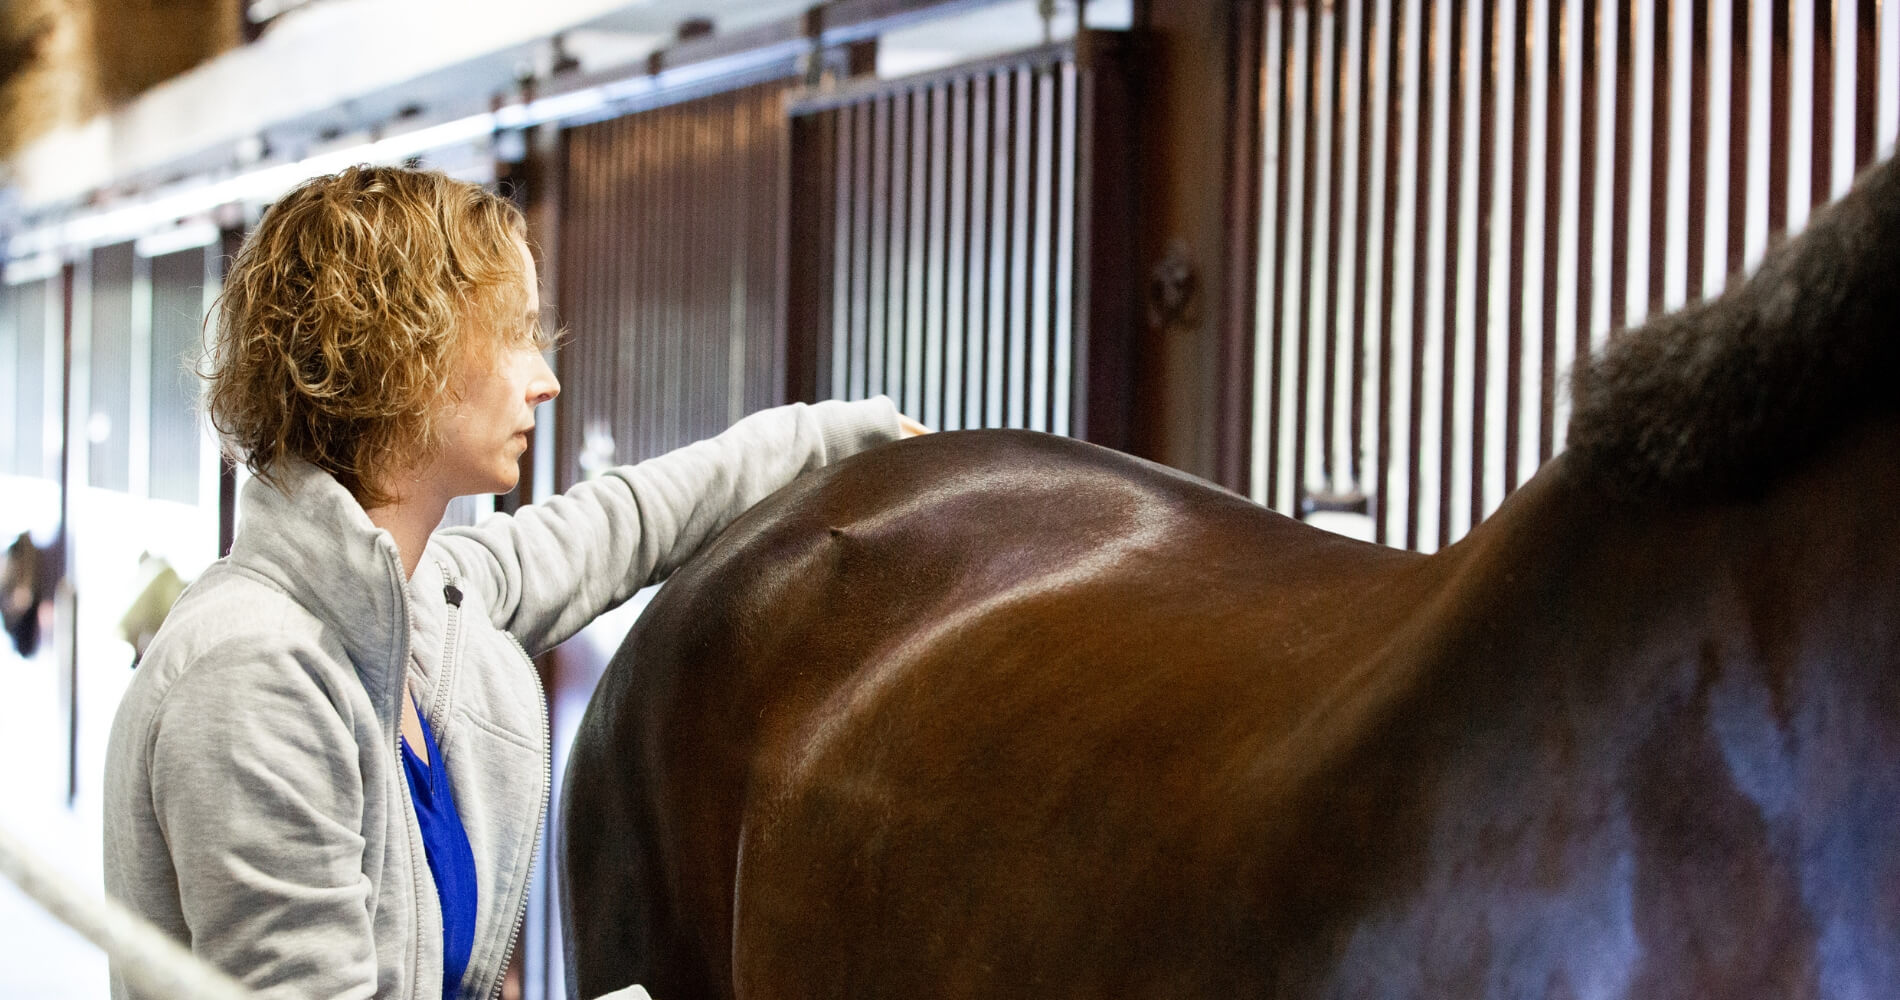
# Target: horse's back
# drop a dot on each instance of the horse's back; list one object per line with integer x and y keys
{"x": 951, "y": 677}
{"x": 1000, "y": 714}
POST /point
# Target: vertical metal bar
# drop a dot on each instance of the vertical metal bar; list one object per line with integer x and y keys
{"x": 1063, "y": 377}
{"x": 917, "y": 265}
{"x": 1820, "y": 180}
{"x": 878, "y": 321}
{"x": 1659, "y": 105}
{"x": 835, "y": 375}
{"x": 1358, "y": 331}
{"x": 897, "y": 241}
{"x": 958, "y": 313}
{"x": 1887, "y": 117}
{"x": 1454, "y": 189}
{"x": 1561, "y": 157}
{"x": 1485, "y": 66}
{"x": 1421, "y": 256}
{"x": 1334, "y": 117}
{"x": 862, "y": 206}
{"x": 1284, "y": 272}
{"x": 936, "y": 307}
{"x": 1589, "y": 152}
{"x": 843, "y": 250}
{"x": 1270, "y": 196}
{"x": 1621, "y": 164}
{"x": 1315, "y": 82}
{"x": 1779, "y": 91}
{"x": 904, "y": 154}
{"x": 1698, "y": 144}
{"x": 982, "y": 249}
{"x": 1710, "y": 266}
{"x": 1396, "y": 47}
{"x": 1043, "y": 222}
{"x": 1844, "y": 40}
{"x": 1866, "y": 79}
{"x": 1002, "y": 244}
{"x": 1524, "y": 50}
{"x": 67, "y": 643}
{"x": 1022, "y": 218}
{"x": 1740, "y": 123}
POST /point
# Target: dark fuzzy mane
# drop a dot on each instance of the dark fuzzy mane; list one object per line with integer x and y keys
{"x": 1721, "y": 398}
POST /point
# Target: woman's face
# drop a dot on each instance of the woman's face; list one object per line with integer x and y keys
{"x": 488, "y": 424}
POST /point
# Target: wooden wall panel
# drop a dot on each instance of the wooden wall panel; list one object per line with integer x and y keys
{"x": 669, "y": 275}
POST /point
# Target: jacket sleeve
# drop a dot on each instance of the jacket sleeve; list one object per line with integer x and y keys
{"x": 547, "y": 571}
{"x": 259, "y": 793}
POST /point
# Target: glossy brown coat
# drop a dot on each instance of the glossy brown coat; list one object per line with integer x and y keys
{"x": 994, "y": 714}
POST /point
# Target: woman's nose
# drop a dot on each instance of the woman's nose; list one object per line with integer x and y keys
{"x": 543, "y": 386}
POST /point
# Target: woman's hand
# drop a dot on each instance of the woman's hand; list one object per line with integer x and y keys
{"x": 911, "y": 428}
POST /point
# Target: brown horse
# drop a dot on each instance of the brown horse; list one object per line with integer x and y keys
{"x": 998, "y": 714}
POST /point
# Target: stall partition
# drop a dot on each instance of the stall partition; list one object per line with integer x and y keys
{"x": 960, "y": 242}
{"x": 1457, "y": 201}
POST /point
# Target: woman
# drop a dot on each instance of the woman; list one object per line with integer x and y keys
{"x": 328, "y": 776}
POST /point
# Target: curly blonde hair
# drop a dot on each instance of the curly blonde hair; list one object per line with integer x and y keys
{"x": 344, "y": 315}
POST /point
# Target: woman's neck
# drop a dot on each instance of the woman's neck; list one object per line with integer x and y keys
{"x": 410, "y": 521}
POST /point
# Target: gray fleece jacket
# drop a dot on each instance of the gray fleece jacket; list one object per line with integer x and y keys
{"x": 256, "y": 807}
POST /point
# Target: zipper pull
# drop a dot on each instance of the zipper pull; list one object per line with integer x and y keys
{"x": 453, "y": 595}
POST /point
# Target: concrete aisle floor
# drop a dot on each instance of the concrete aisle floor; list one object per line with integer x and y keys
{"x": 40, "y": 959}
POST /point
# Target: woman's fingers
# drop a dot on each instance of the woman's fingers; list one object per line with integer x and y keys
{"x": 911, "y": 428}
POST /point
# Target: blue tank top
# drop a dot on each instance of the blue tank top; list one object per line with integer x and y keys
{"x": 445, "y": 843}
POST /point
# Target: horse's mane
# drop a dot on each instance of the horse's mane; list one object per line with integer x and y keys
{"x": 1719, "y": 399}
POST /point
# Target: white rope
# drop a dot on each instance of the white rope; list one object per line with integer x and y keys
{"x": 152, "y": 963}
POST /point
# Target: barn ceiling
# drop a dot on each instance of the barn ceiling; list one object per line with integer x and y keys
{"x": 327, "y": 74}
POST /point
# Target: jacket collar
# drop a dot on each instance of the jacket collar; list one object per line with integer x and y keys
{"x": 312, "y": 539}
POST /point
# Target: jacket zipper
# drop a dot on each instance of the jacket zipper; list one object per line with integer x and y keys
{"x": 438, "y": 705}
{"x": 453, "y": 595}
{"x": 451, "y": 630}
{"x": 540, "y": 820}
{"x": 411, "y": 824}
